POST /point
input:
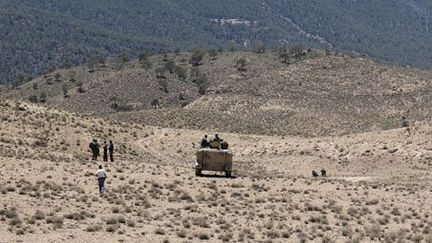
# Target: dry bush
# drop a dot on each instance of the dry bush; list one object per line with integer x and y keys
{"x": 186, "y": 197}
{"x": 112, "y": 220}
{"x": 39, "y": 215}
{"x": 373, "y": 231}
{"x": 228, "y": 236}
{"x": 203, "y": 236}
{"x": 15, "y": 221}
{"x": 10, "y": 188}
{"x": 20, "y": 231}
{"x": 57, "y": 221}
{"x": 112, "y": 228}
{"x": 93, "y": 228}
{"x": 201, "y": 222}
{"x": 9, "y": 213}
{"x": 131, "y": 223}
{"x": 318, "y": 219}
{"x": 76, "y": 216}
{"x": 182, "y": 233}
{"x": 31, "y": 220}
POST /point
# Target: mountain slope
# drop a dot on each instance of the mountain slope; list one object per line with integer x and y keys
{"x": 319, "y": 94}
{"x": 41, "y": 34}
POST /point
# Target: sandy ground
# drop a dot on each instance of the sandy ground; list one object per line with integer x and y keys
{"x": 378, "y": 187}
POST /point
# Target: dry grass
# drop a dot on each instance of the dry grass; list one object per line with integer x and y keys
{"x": 48, "y": 190}
{"x": 309, "y": 97}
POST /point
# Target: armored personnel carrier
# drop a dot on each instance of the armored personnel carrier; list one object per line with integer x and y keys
{"x": 218, "y": 160}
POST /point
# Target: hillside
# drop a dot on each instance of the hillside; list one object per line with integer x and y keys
{"x": 377, "y": 189}
{"x": 318, "y": 94}
{"x": 45, "y": 35}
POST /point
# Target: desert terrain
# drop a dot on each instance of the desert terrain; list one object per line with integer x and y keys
{"x": 377, "y": 189}
{"x": 367, "y": 124}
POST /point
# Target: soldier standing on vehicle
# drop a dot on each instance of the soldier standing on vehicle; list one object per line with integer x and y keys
{"x": 224, "y": 145}
{"x": 216, "y": 142}
{"x": 205, "y": 143}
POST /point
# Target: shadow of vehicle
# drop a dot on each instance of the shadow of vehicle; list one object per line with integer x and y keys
{"x": 217, "y": 176}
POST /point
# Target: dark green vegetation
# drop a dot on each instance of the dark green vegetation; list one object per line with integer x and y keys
{"x": 47, "y": 34}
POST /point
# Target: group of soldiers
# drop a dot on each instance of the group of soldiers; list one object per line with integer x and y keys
{"x": 215, "y": 143}
{"x": 108, "y": 149}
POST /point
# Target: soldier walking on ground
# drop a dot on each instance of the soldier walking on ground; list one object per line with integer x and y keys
{"x": 111, "y": 150}
{"x": 94, "y": 147}
{"x": 105, "y": 151}
{"x": 101, "y": 175}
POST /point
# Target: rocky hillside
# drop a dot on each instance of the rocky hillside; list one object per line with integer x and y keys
{"x": 314, "y": 95}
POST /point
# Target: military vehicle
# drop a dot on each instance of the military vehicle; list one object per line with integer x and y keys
{"x": 218, "y": 160}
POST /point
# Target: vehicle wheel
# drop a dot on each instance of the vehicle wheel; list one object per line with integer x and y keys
{"x": 228, "y": 174}
{"x": 197, "y": 172}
